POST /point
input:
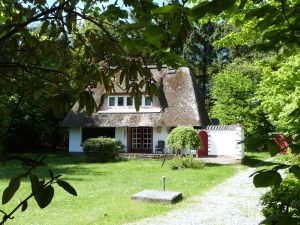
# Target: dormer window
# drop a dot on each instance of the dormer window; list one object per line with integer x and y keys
{"x": 127, "y": 101}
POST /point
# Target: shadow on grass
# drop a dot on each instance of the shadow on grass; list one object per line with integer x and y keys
{"x": 208, "y": 164}
{"x": 254, "y": 161}
{"x": 59, "y": 163}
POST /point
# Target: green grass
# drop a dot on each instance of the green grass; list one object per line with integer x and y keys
{"x": 255, "y": 159}
{"x": 104, "y": 190}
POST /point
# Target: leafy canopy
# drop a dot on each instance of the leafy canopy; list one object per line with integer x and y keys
{"x": 233, "y": 91}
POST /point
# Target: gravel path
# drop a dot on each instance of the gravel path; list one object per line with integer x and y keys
{"x": 234, "y": 202}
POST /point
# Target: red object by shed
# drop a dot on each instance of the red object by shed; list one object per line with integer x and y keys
{"x": 282, "y": 143}
{"x": 203, "y": 151}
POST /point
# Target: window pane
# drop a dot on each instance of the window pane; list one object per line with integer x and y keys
{"x": 148, "y": 101}
{"x": 120, "y": 101}
{"x": 129, "y": 101}
{"x": 111, "y": 101}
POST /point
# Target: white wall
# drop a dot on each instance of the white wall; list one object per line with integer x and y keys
{"x": 160, "y": 133}
{"x": 225, "y": 142}
{"x": 75, "y": 140}
{"x": 240, "y": 147}
{"x": 121, "y": 135}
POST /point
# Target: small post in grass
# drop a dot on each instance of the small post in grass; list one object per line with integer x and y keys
{"x": 163, "y": 183}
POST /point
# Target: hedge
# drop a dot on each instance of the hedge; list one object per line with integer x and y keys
{"x": 101, "y": 149}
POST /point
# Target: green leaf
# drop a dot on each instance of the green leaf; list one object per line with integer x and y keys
{"x": 286, "y": 219}
{"x": 90, "y": 103}
{"x": 295, "y": 148}
{"x": 267, "y": 178}
{"x": 273, "y": 147}
{"x": 114, "y": 13}
{"x": 137, "y": 102}
{"x": 175, "y": 26}
{"x": 44, "y": 196}
{"x": 9, "y": 192}
{"x": 154, "y": 89}
{"x": 131, "y": 27}
{"x": 67, "y": 187}
{"x": 254, "y": 142}
{"x": 280, "y": 167}
{"x": 257, "y": 172}
{"x": 35, "y": 184}
{"x": 211, "y": 7}
{"x": 168, "y": 9}
{"x": 87, "y": 100}
{"x": 260, "y": 12}
{"x": 53, "y": 30}
{"x": 82, "y": 101}
{"x": 272, "y": 218}
{"x": 242, "y": 4}
{"x": 51, "y": 174}
{"x": 44, "y": 27}
{"x": 295, "y": 170}
{"x": 154, "y": 35}
{"x": 24, "y": 206}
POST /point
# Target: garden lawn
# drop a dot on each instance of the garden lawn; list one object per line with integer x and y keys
{"x": 105, "y": 190}
{"x": 255, "y": 159}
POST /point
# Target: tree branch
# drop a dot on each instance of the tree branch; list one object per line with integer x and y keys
{"x": 9, "y": 215}
{"x": 16, "y": 65}
{"x": 283, "y": 10}
{"x": 33, "y": 19}
{"x": 96, "y": 23}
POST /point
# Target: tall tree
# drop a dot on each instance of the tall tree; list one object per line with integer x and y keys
{"x": 233, "y": 96}
{"x": 204, "y": 58}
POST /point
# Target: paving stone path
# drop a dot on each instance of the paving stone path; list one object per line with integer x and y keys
{"x": 234, "y": 202}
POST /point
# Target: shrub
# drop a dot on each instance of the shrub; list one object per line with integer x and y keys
{"x": 186, "y": 162}
{"x": 183, "y": 137}
{"x": 281, "y": 205}
{"x": 120, "y": 146}
{"x": 101, "y": 149}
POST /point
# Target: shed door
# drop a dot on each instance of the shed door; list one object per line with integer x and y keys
{"x": 141, "y": 139}
{"x": 203, "y": 136}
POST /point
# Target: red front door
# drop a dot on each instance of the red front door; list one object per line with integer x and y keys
{"x": 203, "y": 151}
{"x": 141, "y": 139}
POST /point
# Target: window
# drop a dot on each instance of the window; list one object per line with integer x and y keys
{"x": 147, "y": 138}
{"x": 111, "y": 101}
{"x": 129, "y": 101}
{"x": 120, "y": 101}
{"x": 148, "y": 101}
{"x": 136, "y": 138}
{"x": 97, "y": 132}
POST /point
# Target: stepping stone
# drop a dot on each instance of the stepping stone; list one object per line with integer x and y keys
{"x": 165, "y": 197}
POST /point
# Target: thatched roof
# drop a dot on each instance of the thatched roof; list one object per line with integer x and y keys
{"x": 176, "y": 102}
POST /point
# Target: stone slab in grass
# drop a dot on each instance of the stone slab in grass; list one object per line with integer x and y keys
{"x": 165, "y": 197}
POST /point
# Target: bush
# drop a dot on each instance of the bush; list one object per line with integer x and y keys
{"x": 101, "y": 149}
{"x": 183, "y": 137}
{"x": 186, "y": 162}
{"x": 281, "y": 205}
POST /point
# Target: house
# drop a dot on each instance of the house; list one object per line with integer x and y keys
{"x": 139, "y": 132}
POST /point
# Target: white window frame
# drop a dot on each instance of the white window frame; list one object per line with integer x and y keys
{"x": 108, "y": 100}
{"x": 143, "y": 101}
